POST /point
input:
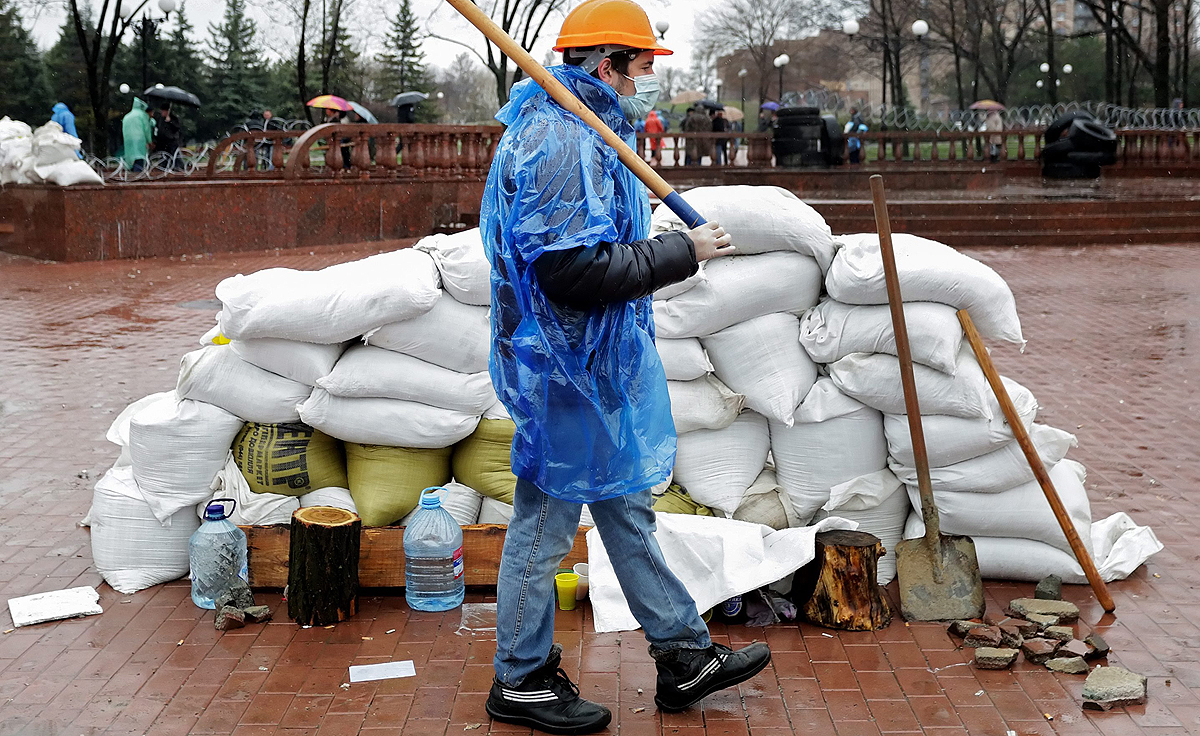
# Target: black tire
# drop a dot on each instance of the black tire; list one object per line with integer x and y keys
{"x": 788, "y": 147}
{"x": 798, "y": 132}
{"x": 1089, "y": 135}
{"x": 832, "y": 141}
{"x": 1057, "y": 151}
{"x": 1071, "y": 171}
{"x": 1056, "y": 129}
{"x": 798, "y": 112}
{"x": 1091, "y": 158}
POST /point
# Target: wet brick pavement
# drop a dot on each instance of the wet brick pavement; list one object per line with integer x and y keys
{"x": 1113, "y": 356}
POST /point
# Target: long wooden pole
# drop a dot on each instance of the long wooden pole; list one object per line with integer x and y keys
{"x": 1035, "y": 462}
{"x": 563, "y": 96}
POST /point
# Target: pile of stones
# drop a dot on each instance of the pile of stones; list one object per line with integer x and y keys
{"x": 235, "y": 608}
{"x": 1041, "y": 629}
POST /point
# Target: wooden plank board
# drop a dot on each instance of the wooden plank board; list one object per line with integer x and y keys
{"x": 381, "y": 558}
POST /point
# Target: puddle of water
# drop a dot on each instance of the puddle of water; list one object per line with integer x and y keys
{"x": 200, "y": 304}
{"x": 477, "y": 618}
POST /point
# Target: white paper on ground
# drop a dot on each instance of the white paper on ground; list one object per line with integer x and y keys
{"x": 714, "y": 558}
{"x": 382, "y": 671}
{"x": 54, "y": 605}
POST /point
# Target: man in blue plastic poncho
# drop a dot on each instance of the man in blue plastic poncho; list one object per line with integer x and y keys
{"x": 573, "y": 360}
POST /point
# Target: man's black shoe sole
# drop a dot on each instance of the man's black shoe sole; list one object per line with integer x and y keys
{"x": 540, "y": 726}
{"x": 712, "y": 687}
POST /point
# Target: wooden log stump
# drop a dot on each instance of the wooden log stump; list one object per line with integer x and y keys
{"x": 838, "y": 589}
{"x": 323, "y": 565}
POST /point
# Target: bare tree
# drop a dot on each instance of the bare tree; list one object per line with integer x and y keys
{"x": 468, "y": 91}
{"x": 523, "y": 20}
{"x": 1123, "y": 23}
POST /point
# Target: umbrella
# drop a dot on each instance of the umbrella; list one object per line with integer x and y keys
{"x": 408, "y": 98}
{"x": 987, "y": 105}
{"x": 733, "y": 114}
{"x": 330, "y": 102}
{"x": 687, "y": 97}
{"x": 769, "y": 106}
{"x": 364, "y": 113}
{"x": 172, "y": 94}
{"x": 711, "y": 105}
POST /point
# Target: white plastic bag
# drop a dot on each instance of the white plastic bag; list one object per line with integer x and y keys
{"x": 68, "y": 173}
{"x": 880, "y": 506}
{"x": 463, "y": 265}
{"x": 332, "y": 305}
{"x": 251, "y": 509}
{"x": 834, "y": 439}
{"x": 492, "y": 511}
{"x": 705, "y": 403}
{"x": 998, "y": 470}
{"x": 389, "y": 422}
{"x": 950, "y": 440}
{"x": 766, "y": 503}
{"x": 371, "y": 372}
{"x": 929, "y": 272}
{"x": 176, "y": 449}
{"x": 452, "y": 335}
{"x": 831, "y": 330}
{"x": 131, "y": 548}
{"x": 740, "y": 288}
{"x": 118, "y": 431}
{"x": 760, "y": 219}
{"x": 216, "y": 375}
{"x": 1020, "y": 512}
{"x": 338, "y": 498}
{"x": 874, "y": 379}
{"x": 716, "y": 466}
{"x": 762, "y": 360}
{"x": 683, "y": 359}
{"x": 461, "y": 502}
{"x": 303, "y": 362}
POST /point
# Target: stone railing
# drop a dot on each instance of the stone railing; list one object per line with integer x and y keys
{"x": 392, "y": 151}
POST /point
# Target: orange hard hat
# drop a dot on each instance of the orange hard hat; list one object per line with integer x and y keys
{"x": 603, "y": 22}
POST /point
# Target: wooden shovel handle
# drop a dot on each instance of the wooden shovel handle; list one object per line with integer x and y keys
{"x": 1035, "y": 462}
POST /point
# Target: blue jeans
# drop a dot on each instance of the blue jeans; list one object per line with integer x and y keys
{"x": 540, "y": 535}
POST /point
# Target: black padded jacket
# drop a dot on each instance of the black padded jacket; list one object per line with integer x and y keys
{"x": 582, "y": 278}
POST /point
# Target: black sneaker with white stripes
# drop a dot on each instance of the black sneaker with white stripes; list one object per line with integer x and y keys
{"x": 548, "y": 701}
{"x": 687, "y": 676}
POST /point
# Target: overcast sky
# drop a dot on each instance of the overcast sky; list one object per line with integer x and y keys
{"x": 369, "y": 25}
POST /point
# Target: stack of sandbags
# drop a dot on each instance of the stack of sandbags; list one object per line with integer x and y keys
{"x": 56, "y": 158}
{"x": 16, "y": 152}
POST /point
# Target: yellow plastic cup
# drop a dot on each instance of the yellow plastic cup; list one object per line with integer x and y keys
{"x": 566, "y": 582}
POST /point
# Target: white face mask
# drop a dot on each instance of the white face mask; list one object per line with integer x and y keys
{"x": 639, "y": 104}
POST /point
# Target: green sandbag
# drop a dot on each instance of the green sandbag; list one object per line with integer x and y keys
{"x": 483, "y": 461}
{"x": 289, "y": 459}
{"x": 677, "y": 501}
{"x": 386, "y": 482}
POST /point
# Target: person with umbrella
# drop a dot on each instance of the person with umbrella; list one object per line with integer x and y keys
{"x": 136, "y": 131}
{"x": 168, "y": 134}
{"x": 719, "y": 125}
{"x": 337, "y": 111}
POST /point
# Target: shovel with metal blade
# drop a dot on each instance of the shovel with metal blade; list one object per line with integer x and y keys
{"x": 938, "y": 574}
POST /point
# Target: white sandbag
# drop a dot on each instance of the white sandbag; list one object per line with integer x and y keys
{"x": 950, "y": 440}
{"x": 216, "y": 375}
{"x": 50, "y": 145}
{"x": 68, "y": 173}
{"x": 998, "y": 470}
{"x": 762, "y": 359}
{"x": 874, "y": 379}
{"x": 118, "y": 431}
{"x": 131, "y": 549}
{"x": 492, "y": 511}
{"x": 303, "y": 362}
{"x": 461, "y": 502}
{"x": 1020, "y": 512}
{"x": 389, "y": 422}
{"x": 881, "y": 507}
{"x": 338, "y": 498}
{"x": 251, "y": 509}
{"x": 760, "y": 219}
{"x": 766, "y": 503}
{"x": 705, "y": 403}
{"x": 463, "y": 265}
{"x": 497, "y": 411}
{"x": 834, "y": 439}
{"x": 1119, "y": 544}
{"x": 740, "y": 288}
{"x": 674, "y": 290}
{"x": 176, "y": 449}
{"x": 929, "y": 272}
{"x": 683, "y": 359}
{"x": 332, "y": 305}
{"x": 716, "y": 466}
{"x": 831, "y": 330}
{"x": 371, "y": 372}
{"x": 452, "y": 335}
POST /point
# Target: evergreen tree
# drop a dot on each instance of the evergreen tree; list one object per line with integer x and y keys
{"x": 403, "y": 62}
{"x": 237, "y": 75}
{"x": 27, "y": 95}
{"x": 67, "y": 71}
{"x": 183, "y": 67}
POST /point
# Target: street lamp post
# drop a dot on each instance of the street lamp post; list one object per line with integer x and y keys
{"x": 742, "y": 77}
{"x": 148, "y": 26}
{"x": 780, "y": 62}
{"x": 920, "y": 29}
{"x": 662, "y": 27}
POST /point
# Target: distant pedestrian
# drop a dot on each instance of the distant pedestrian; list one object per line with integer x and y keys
{"x": 65, "y": 119}
{"x": 854, "y": 143}
{"x": 137, "y": 131}
{"x": 654, "y": 124}
{"x": 719, "y": 125}
{"x": 168, "y": 133}
{"x": 994, "y": 125}
{"x": 697, "y": 148}
{"x": 340, "y": 117}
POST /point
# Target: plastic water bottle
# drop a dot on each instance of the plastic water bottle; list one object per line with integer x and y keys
{"x": 217, "y": 553}
{"x": 433, "y": 557}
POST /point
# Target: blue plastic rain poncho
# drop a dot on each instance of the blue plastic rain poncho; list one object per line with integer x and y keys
{"x": 586, "y": 389}
{"x": 66, "y": 120}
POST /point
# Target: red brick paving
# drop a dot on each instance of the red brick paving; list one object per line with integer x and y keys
{"x": 1112, "y": 356}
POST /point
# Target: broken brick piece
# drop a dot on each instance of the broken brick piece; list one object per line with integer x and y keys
{"x": 1062, "y": 633}
{"x": 1041, "y": 622}
{"x": 228, "y": 618}
{"x": 1049, "y": 588}
{"x": 1100, "y": 648}
{"x": 1039, "y": 650}
{"x": 960, "y": 628}
{"x": 1027, "y": 628}
{"x": 1067, "y": 665}
{"x": 258, "y": 614}
{"x": 1074, "y": 648}
{"x": 983, "y": 636}
{"x": 1010, "y": 636}
{"x": 1113, "y": 687}
{"x": 1064, "y": 611}
{"x": 991, "y": 658}
{"x": 238, "y": 596}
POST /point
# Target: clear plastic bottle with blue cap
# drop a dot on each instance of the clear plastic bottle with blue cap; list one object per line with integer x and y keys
{"x": 433, "y": 557}
{"x": 217, "y": 553}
